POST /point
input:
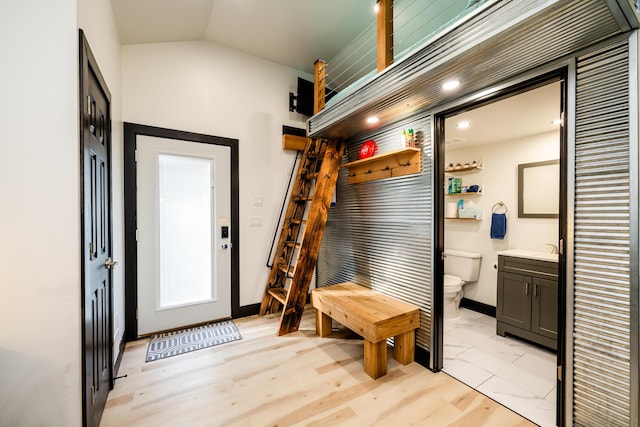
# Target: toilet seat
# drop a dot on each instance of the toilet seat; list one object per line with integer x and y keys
{"x": 452, "y": 283}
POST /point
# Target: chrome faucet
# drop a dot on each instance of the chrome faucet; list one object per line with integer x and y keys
{"x": 554, "y": 248}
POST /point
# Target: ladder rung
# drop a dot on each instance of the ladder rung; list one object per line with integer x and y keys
{"x": 313, "y": 155}
{"x": 303, "y": 199}
{"x": 288, "y": 272}
{"x": 292, "y": 244}
{"x": 298, "y": 221}
{"x": 311, "y": 176}
{"x": 279, "y": 293}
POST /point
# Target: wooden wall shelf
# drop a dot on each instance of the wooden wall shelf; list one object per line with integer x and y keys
{"x": 405, "y": 161}
{"x": 294, "y": 142}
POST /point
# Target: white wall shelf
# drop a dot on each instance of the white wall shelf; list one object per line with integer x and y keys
{"x": 471, "y": 167}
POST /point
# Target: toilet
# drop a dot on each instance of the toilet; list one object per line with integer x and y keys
{"x": 460, "y": 267}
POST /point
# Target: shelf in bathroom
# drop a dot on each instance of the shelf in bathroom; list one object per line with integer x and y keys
{"x": 463, "y": 219}
{"x": 521, "y": 253}
{"x": 476, "y": 193}
{"x": 465, "y": 169}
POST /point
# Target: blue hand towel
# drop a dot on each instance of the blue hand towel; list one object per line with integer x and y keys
{"x": 498, "y": 225}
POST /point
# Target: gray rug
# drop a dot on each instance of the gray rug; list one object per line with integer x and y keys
{"x": 183, "y": 341}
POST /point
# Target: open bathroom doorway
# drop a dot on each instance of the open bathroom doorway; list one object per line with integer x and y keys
{"x": 499, "y": 285}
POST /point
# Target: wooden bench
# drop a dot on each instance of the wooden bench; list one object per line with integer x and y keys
{"x": 372, "y": 315}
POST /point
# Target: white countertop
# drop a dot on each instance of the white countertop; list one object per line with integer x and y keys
{"x": 520, "y": 253}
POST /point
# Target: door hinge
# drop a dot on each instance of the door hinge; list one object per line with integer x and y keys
{"x": 135, "y": 155}
{"x": 137, "y": 235}
{"x": 561, "y": 246}
{"x": 90, "y": 251}
{"x": 93, "y": 395}
{"x": 560, "y": 373}
{"x": 89, "y": 105}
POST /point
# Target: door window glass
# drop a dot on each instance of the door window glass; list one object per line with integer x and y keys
{"x": 186, "y": 269}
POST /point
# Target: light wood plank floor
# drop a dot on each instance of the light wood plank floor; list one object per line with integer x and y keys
{"x": 297, "y": 379}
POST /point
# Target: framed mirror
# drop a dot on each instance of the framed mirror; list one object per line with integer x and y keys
{"x": 539, "y": 189}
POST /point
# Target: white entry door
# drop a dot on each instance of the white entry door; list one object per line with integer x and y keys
{"x": 183, "y": 219}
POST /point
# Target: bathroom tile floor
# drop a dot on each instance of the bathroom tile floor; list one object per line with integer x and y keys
{"x": 515, "y": 373}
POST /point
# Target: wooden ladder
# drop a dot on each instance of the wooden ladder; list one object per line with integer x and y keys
{"x": 301, "y": 234}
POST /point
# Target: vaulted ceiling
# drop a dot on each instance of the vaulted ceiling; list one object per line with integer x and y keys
{"x": 290, "y": 32}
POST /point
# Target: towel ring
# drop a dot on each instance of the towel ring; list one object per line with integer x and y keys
{"x": 498, "y": 206}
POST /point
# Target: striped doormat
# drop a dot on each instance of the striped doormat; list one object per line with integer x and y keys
{"x": 169, "y": 344}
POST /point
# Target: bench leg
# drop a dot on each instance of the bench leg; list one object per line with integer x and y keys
{"x": 375, "y": 358}
{"x": 323, "y": 324}
{"x": 404, "y": 347}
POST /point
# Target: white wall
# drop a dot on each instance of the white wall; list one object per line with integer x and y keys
{"x": 206, "y": 88}
{"x": 499, "y": 178}
{"x": 40, "y": 351}
{"x": 95, "y": 18}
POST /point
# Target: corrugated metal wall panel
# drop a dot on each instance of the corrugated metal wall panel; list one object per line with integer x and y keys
{"x": 379, "y": 233}
{"x": 601, "y": 331}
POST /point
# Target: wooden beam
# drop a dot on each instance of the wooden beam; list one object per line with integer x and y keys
{"x": 385, "y": 34}
{"x": 319, "y": 85}
{"x": 293, "y": 142}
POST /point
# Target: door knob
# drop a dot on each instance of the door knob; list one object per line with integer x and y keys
{"x": 109, "y": 263}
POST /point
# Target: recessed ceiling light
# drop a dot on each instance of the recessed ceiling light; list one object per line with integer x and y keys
{"x": 376, "y": 7}
{"x": 463, "y": 125}
{"x": 451, "y": 84}
{"x": 372, "y": 119}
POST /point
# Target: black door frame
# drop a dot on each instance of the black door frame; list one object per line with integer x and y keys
{"x": 437, "y": 352}
{"x": 88, "y": 68}
{"x": 131, "y": 132}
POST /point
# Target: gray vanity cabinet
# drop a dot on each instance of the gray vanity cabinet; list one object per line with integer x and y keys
{"x": 527, "y": 303}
